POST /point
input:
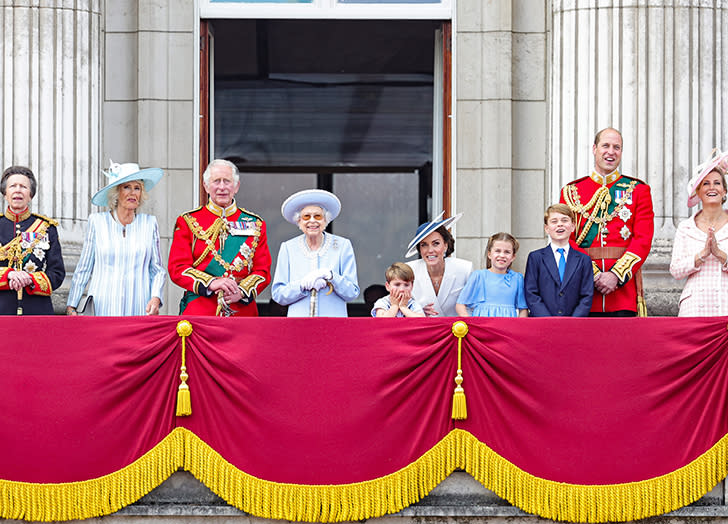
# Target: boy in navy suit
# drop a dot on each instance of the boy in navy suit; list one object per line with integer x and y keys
{"x": 559, "y": 280}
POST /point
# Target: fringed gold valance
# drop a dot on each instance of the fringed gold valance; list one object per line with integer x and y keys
{"x": 331, "y": 420}
{"x": 364, "y": 500}
{"x": 94, "y": 497}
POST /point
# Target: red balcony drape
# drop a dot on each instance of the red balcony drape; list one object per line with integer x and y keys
{"x": 345, "y": 419}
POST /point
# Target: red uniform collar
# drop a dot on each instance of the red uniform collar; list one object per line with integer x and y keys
{"x": 222, "y": 212}
{"x": 605, "y": 180}
{"x": 17, "y": 217}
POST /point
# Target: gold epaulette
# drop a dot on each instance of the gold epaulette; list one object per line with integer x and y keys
{"x": 634, "y": 178}
{"x": 47, "y": 219}
{"x": 192, "y": 211}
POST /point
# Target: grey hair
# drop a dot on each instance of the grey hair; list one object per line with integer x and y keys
{"x": 221, "y": 162}
{"x": 112, "y": 197}
{"x": 328, "y": 217}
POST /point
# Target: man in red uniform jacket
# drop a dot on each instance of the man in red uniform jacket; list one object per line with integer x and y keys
{"x": 614, "y": 226}
{"x": 219, "y": 252}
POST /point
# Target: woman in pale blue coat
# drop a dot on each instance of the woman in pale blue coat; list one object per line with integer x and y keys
{"x": 121, "y": 255}
{"x": 316, "y": 271}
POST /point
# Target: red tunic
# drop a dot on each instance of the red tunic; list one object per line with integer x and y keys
{"x": 618, "y": 216}
{"x": 206, "y": 245}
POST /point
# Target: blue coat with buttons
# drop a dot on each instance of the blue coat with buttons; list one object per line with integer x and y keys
{"x": 547, "y": 295}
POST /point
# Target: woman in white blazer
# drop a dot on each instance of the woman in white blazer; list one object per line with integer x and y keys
{"x": 439, "y": 277}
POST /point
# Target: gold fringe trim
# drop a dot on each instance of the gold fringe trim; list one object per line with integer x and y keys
{"x": 458, "y": 450}
{"x": 594, "y": 503}
{"x": 323, "y": 503}
{"x": 94, "y": 497}
{"x": 363, "y": 500}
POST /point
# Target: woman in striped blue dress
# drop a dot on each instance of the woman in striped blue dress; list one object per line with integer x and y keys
{"x": 121, "y": 255}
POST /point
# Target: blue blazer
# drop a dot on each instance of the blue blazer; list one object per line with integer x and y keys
{"x": 547, "y": 295}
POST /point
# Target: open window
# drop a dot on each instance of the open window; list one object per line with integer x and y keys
{"x": 357, "y": 107}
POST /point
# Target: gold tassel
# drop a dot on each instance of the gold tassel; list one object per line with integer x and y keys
{"x": 641, "y": 307}
{"x": 459, "y": 406}
{"x": 184, "y": 402}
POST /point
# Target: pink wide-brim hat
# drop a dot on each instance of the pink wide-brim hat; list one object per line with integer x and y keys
{"x": 718, "y": 160}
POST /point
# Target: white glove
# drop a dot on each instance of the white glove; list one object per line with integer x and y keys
{"x": 325, "y": 273}
{"x": 307, "y": 282}
{"x": 319, "y": 284}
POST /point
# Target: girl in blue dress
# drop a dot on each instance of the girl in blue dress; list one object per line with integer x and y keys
{"x": 497, "y": 290}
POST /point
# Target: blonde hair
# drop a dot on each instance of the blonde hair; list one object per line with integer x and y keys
{"x": 505, "y": 237}
{"x": 113, "y": 196}
{"x": 399, "y": 271}
{"x": 562, "y": 209}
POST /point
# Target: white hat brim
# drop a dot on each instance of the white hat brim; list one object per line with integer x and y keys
{"x": 150, "y": 176}
{"x": 310, "y": 197}
{"x": 431, "y": 226}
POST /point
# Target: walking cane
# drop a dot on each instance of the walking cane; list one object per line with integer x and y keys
{"x": 19, "y": 311}
{"x": 313, "y": 303}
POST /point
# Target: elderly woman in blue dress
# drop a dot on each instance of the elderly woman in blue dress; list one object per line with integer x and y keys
{"x": 121, "y": 255}
{"x": 316, "y": 271}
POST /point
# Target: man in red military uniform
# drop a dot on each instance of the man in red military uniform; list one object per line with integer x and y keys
{"x": 614, "y": 226}
{"x": 219, "y": 252}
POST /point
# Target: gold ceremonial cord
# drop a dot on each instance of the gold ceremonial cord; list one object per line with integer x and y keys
{"x": 209, "y": 237}
{"x": 184, "y": 404}
{"x": 459, "y": 405}
{"x": 599, "y": 203}
{"x": 14, "y": 253}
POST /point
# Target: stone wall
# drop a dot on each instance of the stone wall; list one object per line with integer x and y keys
{"x": 88, "y": 81}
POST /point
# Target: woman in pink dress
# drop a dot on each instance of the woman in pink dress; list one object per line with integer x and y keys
{"x": 700, "y": 250}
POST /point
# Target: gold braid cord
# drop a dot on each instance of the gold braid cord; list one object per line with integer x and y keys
{"x": 459, "y": 449}
{"x": 595, "y": 211}
{"x": 209, "y": 237}
{"x": 13, "y": 251}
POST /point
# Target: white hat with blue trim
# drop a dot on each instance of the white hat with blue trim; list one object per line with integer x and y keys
{"x": 122, "y": 173}
{"x": 310, "y": 197}
{"x": 427, "y": 228}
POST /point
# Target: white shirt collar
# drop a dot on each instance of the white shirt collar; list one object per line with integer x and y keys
{"x": 556, "y": 254}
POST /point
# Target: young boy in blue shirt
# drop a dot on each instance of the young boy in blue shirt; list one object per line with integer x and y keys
{"x": 399, "y": 302}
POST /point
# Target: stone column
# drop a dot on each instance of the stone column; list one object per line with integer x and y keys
{"x": 656, "y": 70}
{"x": 50, "y": 89}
